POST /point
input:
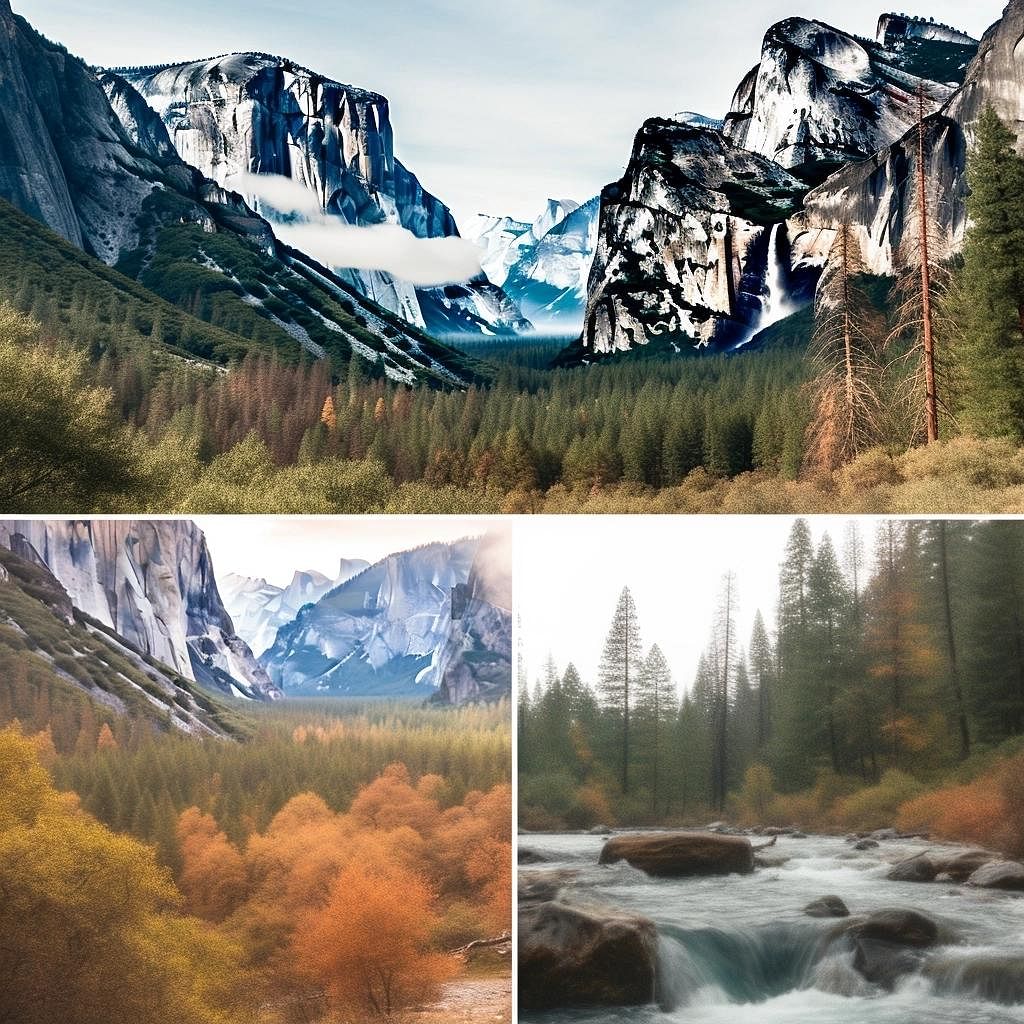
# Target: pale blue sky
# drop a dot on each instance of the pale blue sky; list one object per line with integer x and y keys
{"x": 496, "y": 105}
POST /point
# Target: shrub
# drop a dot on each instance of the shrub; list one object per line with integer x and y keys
{"x": 878, "y": 806}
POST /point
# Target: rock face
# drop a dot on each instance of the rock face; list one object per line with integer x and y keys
{"x": 259, "y": 609}
{"x": 380, "y": 632}
{"x": 681, "y": 854}
{"x": 822, "y": 107}
{"x": 682, "y": 245}
{"x": 820, "y": 97}
{"x": 152, "y": 582}
{"x": 68, "y": 161}
{"x": 254, "y": 113}
{"x": 475, "y": 663}
{"x": 871, "y": 195}
{"x": 572, "y": 956}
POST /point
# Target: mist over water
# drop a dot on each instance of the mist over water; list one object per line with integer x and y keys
{"x": 740, "y": 949}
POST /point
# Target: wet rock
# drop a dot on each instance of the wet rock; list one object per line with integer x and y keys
{"x": 866, "y": 844}
{"x": 797, "y": 834}
{"x": 889, "y": 944}
{"x": 680, "y": 854}
{"x": 585, "y": 956}
{"x": 600, "y": 830}
{"x": 542, "y": 886}
{"x": 827, "y": 906}
{"x": 999, "y": 874}
{"x": 920, "y": 868}
{"x": 960, "y": 866}
{"x": 992, "y": 978}
{"x": 526, "y": 855}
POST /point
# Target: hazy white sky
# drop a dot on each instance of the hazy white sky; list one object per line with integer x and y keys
{"x": 273, "y": 547}
{"x": 570, "y": 570}
{"x": 497, "y": 105}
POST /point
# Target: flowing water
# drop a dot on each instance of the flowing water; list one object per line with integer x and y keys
{"x": 739, "y": 949}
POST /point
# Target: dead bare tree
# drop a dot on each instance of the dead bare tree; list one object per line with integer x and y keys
{"x": 845, "y": 387}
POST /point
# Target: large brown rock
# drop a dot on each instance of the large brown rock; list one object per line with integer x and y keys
{"x": 585, "y": 956}
{"x": 920, "y": 868}
{"x": 960, "y": 866}
{"x": 889, "y": 944}
{"x": 678, "y": 854}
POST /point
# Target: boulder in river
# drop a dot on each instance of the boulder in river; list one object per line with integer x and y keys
{"x": 827, "y": 906}
{"x": 890, "y": 944}
{"x": 960, "y": 866}
{"x": 992, "y": 977}
{"x": 526, "y": 855}
{"x": 920, "y": 868}
{"x": 538, "y": 886}
{"x": 680, "y": 854}
{"x": 999, "y": 874}
{"x": 600, "y": 830}
{"x": 866, "y": 844}
{"x": 884, "y": 833}
{"x": 585, "y": 956}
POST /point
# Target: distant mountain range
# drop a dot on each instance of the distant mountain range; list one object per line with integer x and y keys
{"x": 432, "y": 622}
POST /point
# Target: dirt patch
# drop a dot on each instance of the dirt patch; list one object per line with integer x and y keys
{"x": 470, "y": 1001}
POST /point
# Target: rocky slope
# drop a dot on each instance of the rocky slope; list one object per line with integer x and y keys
{"x": 69, "y": 660}
{"x": 87, "y": 157}
{"x": 475, "y": 663}
{"x": 259, "y": 609}
{"x": 152, "y": 583}
{"x": 682, "y": 246}
{"x": 254, "y": 113}
{"x": 381, "y": 632}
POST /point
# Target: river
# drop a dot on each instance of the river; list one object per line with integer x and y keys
{"x": 739, "y": 949}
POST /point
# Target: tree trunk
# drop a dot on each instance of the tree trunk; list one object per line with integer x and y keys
{"x": 954, "y": 668}
{"x": 931, "y": 408}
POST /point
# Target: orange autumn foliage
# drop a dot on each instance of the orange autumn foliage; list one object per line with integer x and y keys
{"x": 369, "y": 946}
{"x": 213, "y": 876}
{"x": 988, "y": 811}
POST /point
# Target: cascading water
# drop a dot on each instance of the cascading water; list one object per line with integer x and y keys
{"x": 740, "y": 950}
{"x": 776, "y": 304}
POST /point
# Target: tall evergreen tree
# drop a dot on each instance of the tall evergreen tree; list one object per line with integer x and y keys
{"x": 618, "y": 673}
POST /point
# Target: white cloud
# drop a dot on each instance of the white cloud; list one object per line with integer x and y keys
{"x": 299, "y": 220}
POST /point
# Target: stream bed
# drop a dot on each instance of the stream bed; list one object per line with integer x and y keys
{"x": 738, "y": 948}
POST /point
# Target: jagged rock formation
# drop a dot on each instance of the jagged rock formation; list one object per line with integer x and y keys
{"x": 254, "y": 113}
{"x": 152, "y": 583}
{"x": 475, "y": 663}
{"x": 682, "y": 244}
{"x": 381, "y": 632}
{"x": 873, "y": 195}
{"x": 68, "y": 161}
{"x": 711, "y": 252}
{"x": 259, "y": 609}
{"x": 820, "y": 97}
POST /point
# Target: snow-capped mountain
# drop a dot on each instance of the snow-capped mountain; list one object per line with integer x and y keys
{"x": 245, "y": 114}
{"x": 152, "y": 582}
{"x": 549, "y": 279}
{"x": 380, "y": 632}
{"x": 259, "y": 609}
{"x": 544, "y": 265}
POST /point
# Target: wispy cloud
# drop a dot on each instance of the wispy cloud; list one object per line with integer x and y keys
{"x": 300, "y": 221}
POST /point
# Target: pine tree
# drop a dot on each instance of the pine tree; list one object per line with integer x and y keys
{"x": 987, "y": 301}
{"x": 618, "y": 673}
{"x": 656, "y": 701}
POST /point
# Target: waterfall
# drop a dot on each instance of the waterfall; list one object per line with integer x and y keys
{"x": 777, "y": 304}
